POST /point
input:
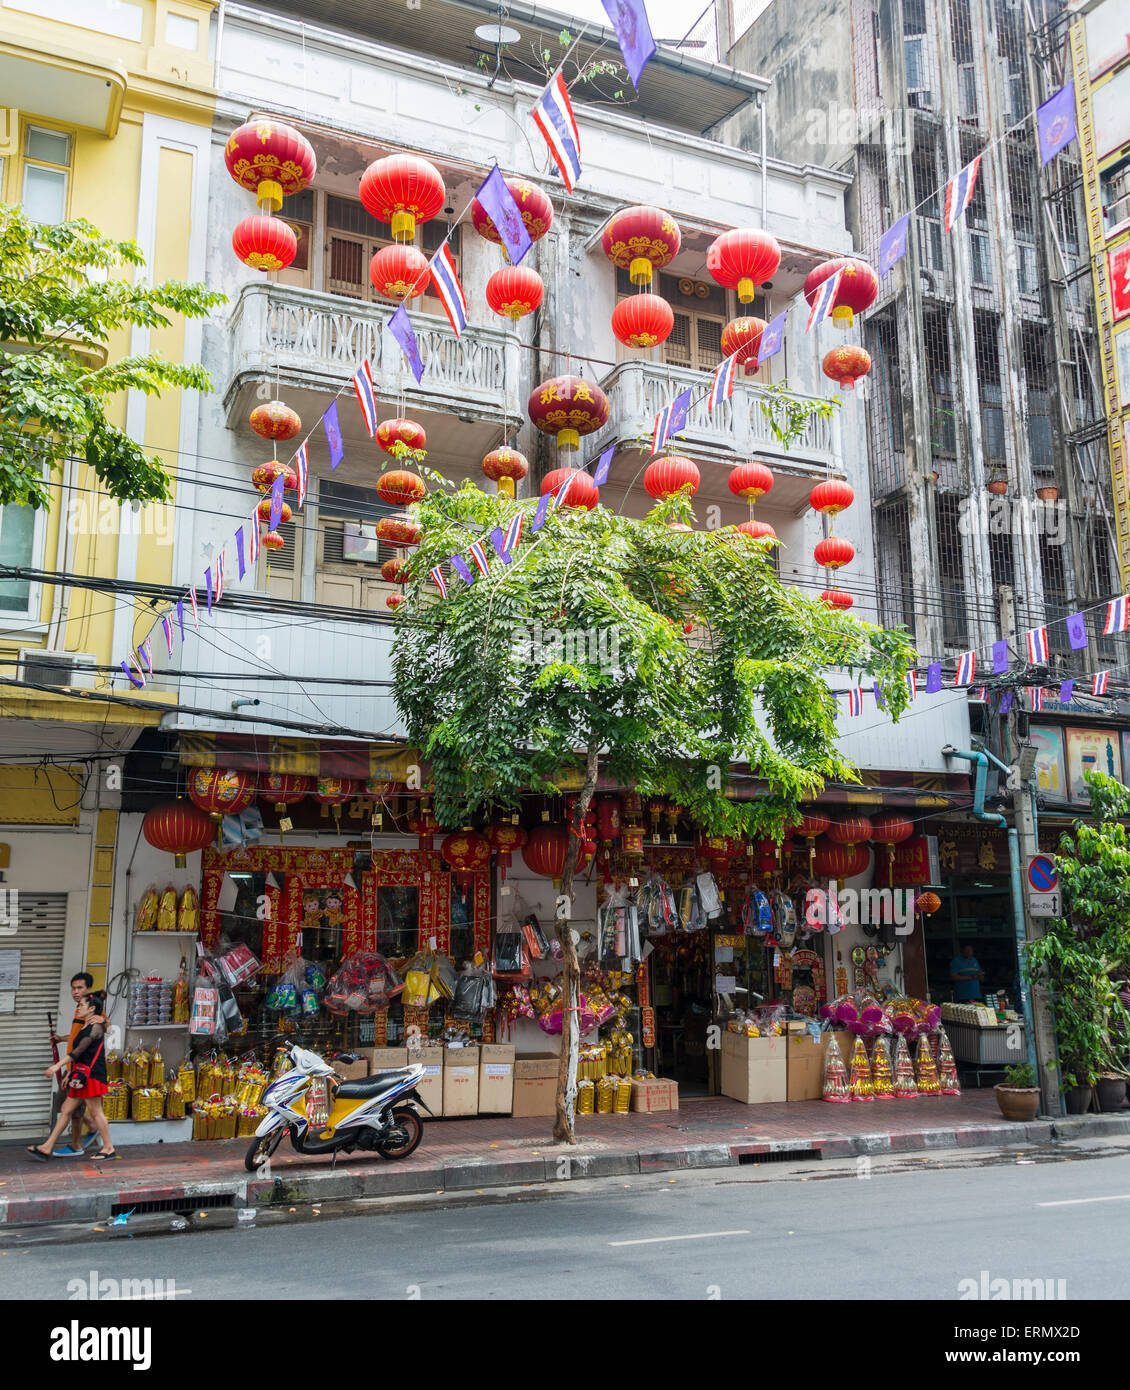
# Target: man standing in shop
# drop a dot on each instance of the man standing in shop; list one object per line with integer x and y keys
{"x": 966, "y": 973}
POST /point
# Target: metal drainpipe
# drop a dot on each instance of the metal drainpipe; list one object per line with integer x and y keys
{"x": 981, "y": 761}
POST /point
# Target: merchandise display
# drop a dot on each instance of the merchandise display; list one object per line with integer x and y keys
{"x": 947, "y": 1068}
{"x": 835, "y": 1075}
{"x": 860, "y": 1084}
{"x": 882, "y": 1074}
{"x": 906, "y": 1088}
{"x": 926, "y": 1071}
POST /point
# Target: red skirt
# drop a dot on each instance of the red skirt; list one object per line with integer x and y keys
{"x": 91, "y": 1091}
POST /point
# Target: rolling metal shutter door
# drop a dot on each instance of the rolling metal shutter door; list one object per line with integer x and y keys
{"x": 25, "y": 1050}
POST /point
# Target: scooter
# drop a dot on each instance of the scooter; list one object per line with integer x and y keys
{"x": 324, "y": 1115}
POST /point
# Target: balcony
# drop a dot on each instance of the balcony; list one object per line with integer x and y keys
{"x": 315, "y": 342}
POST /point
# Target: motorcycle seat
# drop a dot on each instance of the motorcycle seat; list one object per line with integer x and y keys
{"x": 372, "y": 1085}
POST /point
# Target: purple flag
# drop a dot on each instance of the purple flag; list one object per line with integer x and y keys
{"x": 880, "y": 703}
{"x": 933, "y": 677}
{"x": 772, "y": 338}
{"x": 1055, "y": 123}
{"x": 239, "y": 549}
{"x": 1066, "y": 690}
{"x": 1000, "y": 658}
{"x": 401, "y": 329}
{"x": 277, "y": 499}
{"x": 892, "y": 244}
{"x": 1077, "y": 631}
{"x": 333, "y": 435}
{"x": 180, "y": 618}
{"x": 460, "y": 568}
{"x": 208, "y": 585}
{"x": 498, "y": 540}
{"x": 600, "y": 476}
{"x": 629, "y": 19}
{"x": 1006, "y": 702}
{"x": 498, "y": 203}
{"x": 539, "y": 516}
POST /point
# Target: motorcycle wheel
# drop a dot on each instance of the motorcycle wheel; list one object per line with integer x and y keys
{"x": 262, "y": 1149}
{"x": 408, "y": 1130}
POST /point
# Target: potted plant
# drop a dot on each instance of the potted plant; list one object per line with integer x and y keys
{"x": 998, "y": 482}
{"x": 1048, "y": 494}
{"x": 1018, "y": 1096}
{"x": 1110, "y": 1089}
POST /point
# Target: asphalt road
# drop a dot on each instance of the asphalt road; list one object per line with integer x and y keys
{"x": 904, "y": 1230}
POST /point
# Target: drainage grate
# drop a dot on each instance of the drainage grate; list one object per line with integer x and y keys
{"x": 780, "y": 1156}
{"x": 180, "y": 1205}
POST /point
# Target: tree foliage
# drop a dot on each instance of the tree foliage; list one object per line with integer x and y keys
{"x": 61, "y": 299}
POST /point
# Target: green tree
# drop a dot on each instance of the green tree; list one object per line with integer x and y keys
{"x": 60, "y": 300}
{"x": 667, "y": 655}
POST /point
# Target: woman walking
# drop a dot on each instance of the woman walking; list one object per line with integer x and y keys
{"x": 87, "y": 1060}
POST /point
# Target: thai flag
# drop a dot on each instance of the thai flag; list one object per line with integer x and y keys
{"x": 513, "y": 534}
{"x": 301, "y": 467}
{"x": 966, "y": 666}
{"x": 167, "y": 624}
{"x": 670, "y": 420}
{"x": 479, "y": 555}
{"x": 1117, "y": 615}
{"x": 855, "y": 700}
{"x": 553, "y": 116}
{"x": 959, "y": 192}
{"x": 253, "y": 538}
{"x": 824, "y": 300}
{"x": 195, "y": 610}
{"x": 366, "y": 396}
{"x": 979, "y": 694}
{"x": 439, "y": 581}
{"x": 147, "y": 653}
{"x": 1036, "y": 698}
{"x": 219, "y": 576}
{"x": 564, "y": 490}
{"x": 722, "y": 387}
{"x": 446, "y": 280}
{"x": 912, "y": 684}
{"x": 1037, "y": 646}
{"x": 1099, "y": 686}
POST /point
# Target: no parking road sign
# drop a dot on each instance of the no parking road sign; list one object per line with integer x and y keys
{"x": 1044, "y": 898}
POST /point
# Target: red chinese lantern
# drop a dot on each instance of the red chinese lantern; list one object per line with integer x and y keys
{"x": 504, "y": 840}
{"x": 264, "y": 243}
{"x": 858, "y": 287}
{"x": 642, "y": 321}
{"x": 423, "y": 825}
{"x": 544, "y": 852}
{"x": 567, "y": 407}
{"x": 264, "y": 476}
{"x": 514, "y": 291}
{"x": 832, "y": 497}
{"x": 534, "y": 205}
{"x": 767, "y": 864}
{"x": 928, "y": 903}
{"x": 632, "y": 839}
{"x": 840, "y": 861}
{"x": 334, "y": 792}
{"x": 846, "y": 365}
{"x": 849, "y": 830}
{"x": 641, "y": 240}
{"x": 890, "y": 828}
{"x": 402, "y": 189}
{"x": 810, "y": 825}
{"x": 400, "y": 489}
{"x": 394, "y": 571}
{"x": 467, "y": 852}
{"x": 743, "y": 336}
{"x": 275, "y": 420}
{"x": 583, "y": 492}
{"x": 391, "y": 433}
{"x": 833, "y": 552}
{"x": 667, "y": 476}
{"x": 394, "y": 601}
{"x": 273, "y": 541}
{"x": 221, "y": 791}
{"x": 396, "y": 530}
{"x": 836, "y": 598}
{"x": 179, "y": 828}
{"x": 283, "y": 789}
{"x": 273, "y": 160}
{"x": 399, "y": 272}
{"x": 752, "y": 480}
{"x": 742, "y": 259}
{"x": 608, "y": 818}
{"x": 756, "y": 530}
{"x": 264, "y": 510}
{"x": 505, "y": 467}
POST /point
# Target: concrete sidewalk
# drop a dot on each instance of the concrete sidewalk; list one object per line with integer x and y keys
{"x": 472, "y": 1154}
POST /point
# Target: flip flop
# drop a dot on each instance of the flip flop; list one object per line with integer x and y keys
{"x": 67, "y": 1152}
{"x": 37, "y": 1153}
{"x": 101, "y": 1157}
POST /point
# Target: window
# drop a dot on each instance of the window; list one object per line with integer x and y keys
{"x": 17, "y": 547}
{"x": 352, "y": 240}
{"x": 47, "y": 162}
{"x": 298, "y": 213}
{"x": 981, "y": 258}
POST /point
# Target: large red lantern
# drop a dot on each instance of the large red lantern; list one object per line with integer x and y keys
{"x": 667, "y": 476}
{"x": 264, "y": 243}
{"x": 756, "y": 530}
{"x": 394, "y": 601}
{"x": 833, "y": 552}
{"x": 505, "y": 467}
{"x": 285, "y": 512}
{"x": 810, "y": 825}
{"x": 504, "y": 840}
{"x": 273, "y": 160}
{"x": 394, "y": 571}
{"x": 264, "y": 476}
{"x": 283, "y": 789}
{"x": 743, "y": 337}
{"x": 514, "y": 291}
{"x": 858, "y": 287}
{"x": 834, "y": 860}
{"x": 544, "y": 852}
{"x": 849, "y": 830}
{"x": 221, "y": 791}
{"x": 832, "y": 497}
{"x": 400, "y": 489}
{"x": 846, "y": 365}
{"x": 534, "y": 205}
{"x": 395, "y": 435}
{"x": 742, "y": 259}
{"x": 402, "y": 190}
{"x": 582, "y": 493}
{"x": 179, "y": 828}
{"x": 642, "y": 321}
{"x": 397, "y": 530}
{"x": 567, "y": 407}
{"x": 467, "y": 852}
{"x": 273, "y": 541}
{"x": 423, "y": 824}
{"x": 836, "y": 598}
{"x": 752, "y": 480}
{"x": 641, "y": 240}
{"x": 890, "y": 828}
{"x": 275, "y": 420}
{"x": 608, "y": 818}
{"x": 399, "y": 272}
{"x": 334, "y": 792}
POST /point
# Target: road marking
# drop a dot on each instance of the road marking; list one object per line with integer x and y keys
{"x": 1083, "y": 1201}
{"x": 660, "y": 1240}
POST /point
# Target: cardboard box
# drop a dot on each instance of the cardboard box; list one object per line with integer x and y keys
{"x": 496, "y": 1078}
{"x": 754, "y": 1070}
{"x": 429, "y": 1088}
{"x": 651, "y": 1096}
{"x": 536, "y": 1067}
{"x": 351, "y": 1071}
{"x": 806, "y": 1066}
{"x": 384, "y": 1058}
{"x": 535, "y": 1085}
{"x": 461, "y": 1080}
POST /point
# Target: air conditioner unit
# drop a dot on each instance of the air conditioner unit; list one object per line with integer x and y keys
{"x": 61, "y": 670}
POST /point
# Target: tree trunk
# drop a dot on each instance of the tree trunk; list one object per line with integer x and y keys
{"x": 570, "y": 1033}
